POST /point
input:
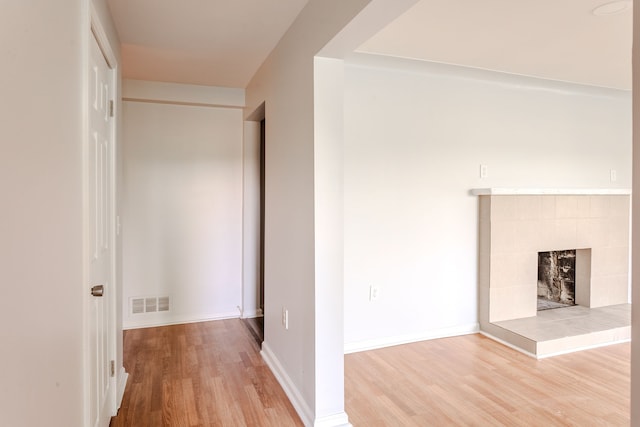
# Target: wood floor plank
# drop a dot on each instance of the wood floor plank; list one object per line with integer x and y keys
{"x": 211, "y": 374}
{"x": 472, "y": 380}
{"x": 200, "y": 374}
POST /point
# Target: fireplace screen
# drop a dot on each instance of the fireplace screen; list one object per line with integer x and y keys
{"x": 556, "y": 279}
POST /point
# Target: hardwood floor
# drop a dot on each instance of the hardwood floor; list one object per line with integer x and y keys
{"x": 200, "y": 374}
{"x": 211, "y": 374}
{"x": 474, "y": 381}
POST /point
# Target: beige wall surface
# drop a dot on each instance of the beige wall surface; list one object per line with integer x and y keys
{"x": 182, "y": 211}
{"x": 42, "y": 292}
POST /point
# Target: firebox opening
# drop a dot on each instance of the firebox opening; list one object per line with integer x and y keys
{"x": 556, "y": 279}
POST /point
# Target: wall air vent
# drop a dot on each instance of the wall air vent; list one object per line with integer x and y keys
{"x": 137, "y": 305}
{"x": 140, "y": 305}
{"x": 150, "y": 305}
{"x": 163, "y": 303}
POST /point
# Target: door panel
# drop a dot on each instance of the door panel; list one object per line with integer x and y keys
{"x": 99, "y": 168}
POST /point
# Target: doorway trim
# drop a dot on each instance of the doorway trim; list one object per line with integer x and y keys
{"x": 252, "y": 258}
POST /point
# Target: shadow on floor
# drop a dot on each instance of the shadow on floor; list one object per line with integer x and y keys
{"x": 256, "y": 327}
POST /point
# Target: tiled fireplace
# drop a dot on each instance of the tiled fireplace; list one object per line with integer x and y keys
{"x": 516, "y": 225}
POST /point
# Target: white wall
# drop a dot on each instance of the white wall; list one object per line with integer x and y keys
{"x": 415, "y": 136}
{"x": 329, "y": 257}
{"x": 182, "y": 218}
{"x": 41, "y": 242}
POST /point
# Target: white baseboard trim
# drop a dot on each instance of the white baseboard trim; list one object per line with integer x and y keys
{"x": 336, "y": 420}
{"x": 290, "y": 389}
{"x": 250, "y": 314}
{"x": 295, "y": 397}
{"x": 373, "y": 344}
{"x": 123, "y": 376}
{"x": 176, "y": 320}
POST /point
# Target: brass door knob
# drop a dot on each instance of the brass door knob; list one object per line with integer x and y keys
{"x": 97, "y": 290}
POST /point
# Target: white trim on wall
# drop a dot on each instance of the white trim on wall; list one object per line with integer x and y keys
{"x": 373, "y": 344}
{"x": 176, "y": 320}
{"x": 101, "y": 37}
{"x": 174, "y": 93}
{"x": 499, "y": 78}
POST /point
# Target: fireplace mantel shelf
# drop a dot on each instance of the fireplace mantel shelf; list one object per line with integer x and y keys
{"x": 548, "y": 191}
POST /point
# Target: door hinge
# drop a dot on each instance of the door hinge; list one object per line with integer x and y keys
{"x": 113, "y": 368}
{"x": 111, "y": 108}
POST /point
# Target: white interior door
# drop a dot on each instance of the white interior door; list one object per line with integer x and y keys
{"x": 100, "y": 199}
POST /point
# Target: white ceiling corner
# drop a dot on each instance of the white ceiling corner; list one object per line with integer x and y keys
{"x": 551, "y": 39}
{"x": 206, "y": 42}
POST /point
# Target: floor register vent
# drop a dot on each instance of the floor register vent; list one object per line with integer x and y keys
{"x": 149, "y": 304}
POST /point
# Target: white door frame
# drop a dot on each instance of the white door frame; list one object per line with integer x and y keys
{"x": 95, "y": 29}
{"x": 251, "y": 214}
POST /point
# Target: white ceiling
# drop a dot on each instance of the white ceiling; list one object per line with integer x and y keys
{"x": 223, "y": 42}
{"x": 554, "y": 39}
{"x": 206, "y": 42}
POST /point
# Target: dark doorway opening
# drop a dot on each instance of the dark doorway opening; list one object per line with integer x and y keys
{"x": 255, "y": 324}
{"x": 262, "y": 209}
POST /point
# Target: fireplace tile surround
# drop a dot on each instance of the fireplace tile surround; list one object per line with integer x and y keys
{"x": 514, "y": 225}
